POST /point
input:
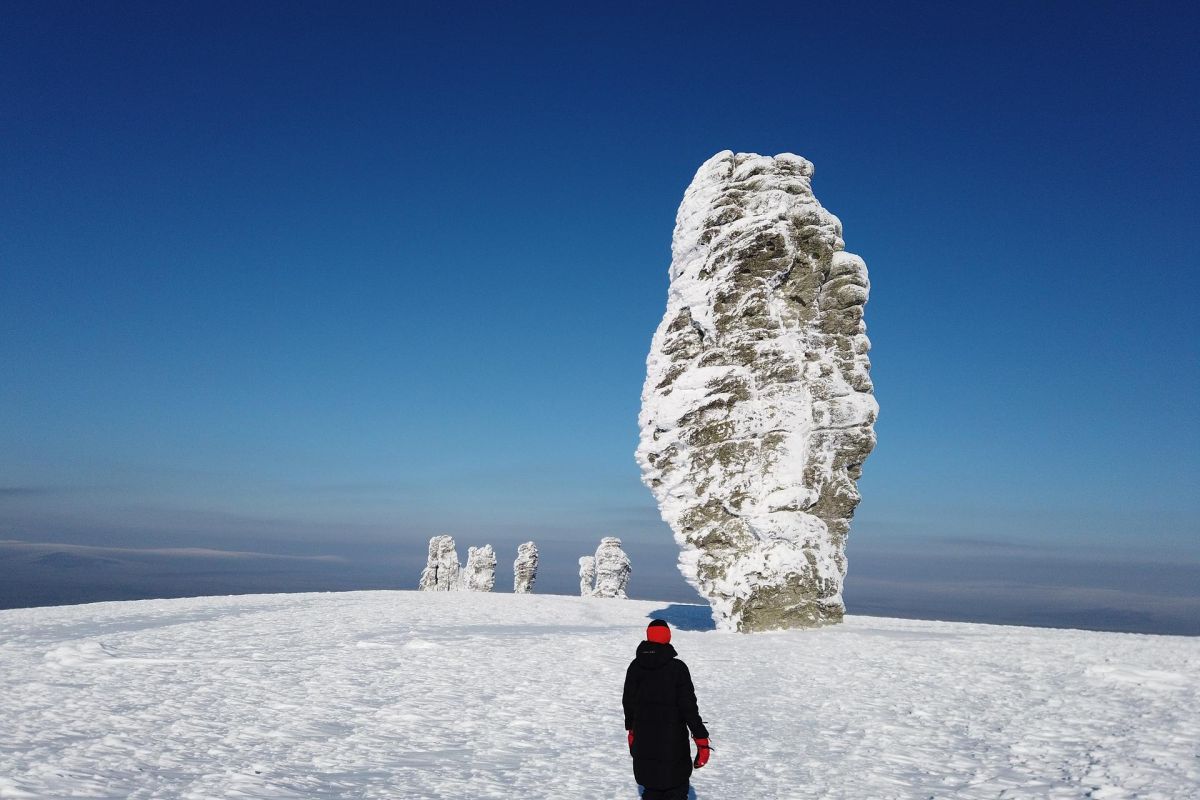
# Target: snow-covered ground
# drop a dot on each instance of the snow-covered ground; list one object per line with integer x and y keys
{"x": 407, "y": 695}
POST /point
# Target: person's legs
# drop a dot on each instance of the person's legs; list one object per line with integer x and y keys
{"x": 674, "y": 793}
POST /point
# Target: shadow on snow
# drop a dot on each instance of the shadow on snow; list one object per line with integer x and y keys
{"x": 686, "y": 617}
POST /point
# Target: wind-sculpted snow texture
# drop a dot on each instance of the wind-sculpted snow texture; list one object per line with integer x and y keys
{"x": 441, "y": 573}
{"x": 525, "y": 568}
{"x": 587, "y": 576}
{"x": 480, "y": 573}
{"x": 757, "y": 412}
{"x": 612, "y": 569}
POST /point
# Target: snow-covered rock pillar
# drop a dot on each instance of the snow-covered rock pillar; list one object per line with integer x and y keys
{"x": 441, "y": 573}
{"x": 587, "y": 576}
{"x": 612, "y": 568}
{"x": 525, "y": 568}
{"x": 480, "y": 573}
{"x": 757, "y": 411}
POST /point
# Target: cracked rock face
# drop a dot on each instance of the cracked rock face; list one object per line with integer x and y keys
{"x": 525, "y": 568}
{"x": 441, "y": 573}
{"x": 757, "y": 411}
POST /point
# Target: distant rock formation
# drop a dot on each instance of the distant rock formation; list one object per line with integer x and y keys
{"x": 441, "y": 573}
{"x": 612, "y": 568}
{"x": 587, "y": 576}
{"x": 525, "y": 568}
{"x": 757, "y": 411}
{"x": 480, "y": 573}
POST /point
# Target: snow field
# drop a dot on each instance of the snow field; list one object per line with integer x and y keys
{"x": 463, "y": 695}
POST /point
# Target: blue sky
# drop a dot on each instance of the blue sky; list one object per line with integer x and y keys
{"x": 301, "y": 276}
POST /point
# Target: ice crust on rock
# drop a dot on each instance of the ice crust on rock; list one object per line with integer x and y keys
{"x": 612, "y": 568}
{"x": 587, "y": 576}
{"x": 757, "y": 411}
{"x": 480, "y": 573}
{"x": 441, "y": 573}
{"x": 525, "y": 568}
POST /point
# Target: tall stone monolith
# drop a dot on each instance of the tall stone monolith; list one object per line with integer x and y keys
{"x": 479, "y": 575}
{"x": 525, "y": 568}
{"x": 612, "y": 568}
{"x": 587, "y": 576}
{"x": 757, "y": 411}
{"x": 441, "y": 573}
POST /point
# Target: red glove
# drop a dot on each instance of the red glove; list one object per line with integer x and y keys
{"x": 630, "y": 742}
{"x": 701, "y": 753}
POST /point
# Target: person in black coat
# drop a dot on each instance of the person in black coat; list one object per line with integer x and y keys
{"x": 660, "y": 708}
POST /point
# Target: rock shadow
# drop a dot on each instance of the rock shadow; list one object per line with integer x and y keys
{"x": 686, "y": 617}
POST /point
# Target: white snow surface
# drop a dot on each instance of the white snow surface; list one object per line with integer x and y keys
{"x": 472, "y": 695}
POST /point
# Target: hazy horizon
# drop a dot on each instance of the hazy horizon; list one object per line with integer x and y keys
{"x": 1006, "y": 585}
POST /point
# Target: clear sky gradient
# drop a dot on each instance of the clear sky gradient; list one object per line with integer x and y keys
{"x": 309, "y": 277}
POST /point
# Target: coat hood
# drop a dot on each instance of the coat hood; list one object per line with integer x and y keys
{"x": 652, "y": 655}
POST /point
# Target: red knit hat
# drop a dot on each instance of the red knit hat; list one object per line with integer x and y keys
{"x": 658, "y": 632}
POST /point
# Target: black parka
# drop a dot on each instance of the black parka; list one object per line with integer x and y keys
{"x": 660, "y": 708}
